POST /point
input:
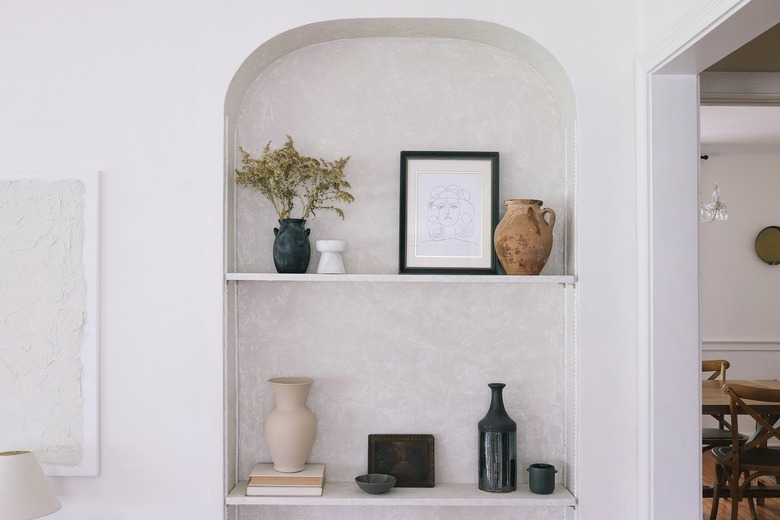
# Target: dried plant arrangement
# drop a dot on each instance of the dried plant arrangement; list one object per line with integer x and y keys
{"x": 289, "y": 180}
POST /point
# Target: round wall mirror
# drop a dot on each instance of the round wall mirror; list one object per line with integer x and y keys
{"x": 768, "y": 245}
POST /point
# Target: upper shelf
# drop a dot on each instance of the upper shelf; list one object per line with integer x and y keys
{"x": 348, "y": 494}
{"x": 396, "y": 278}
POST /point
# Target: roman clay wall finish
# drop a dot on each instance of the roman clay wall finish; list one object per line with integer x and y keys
{"x": 401, "y": 357}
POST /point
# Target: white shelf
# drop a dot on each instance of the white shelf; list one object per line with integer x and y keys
{"x": 462, "y": 495}
{"x": 400, "y": 278}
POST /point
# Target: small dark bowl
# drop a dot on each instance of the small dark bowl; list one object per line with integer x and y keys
{"x": 375, "y": 483}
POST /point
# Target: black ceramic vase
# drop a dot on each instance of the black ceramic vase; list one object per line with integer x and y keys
{"x": 497, "y": 446}
{"x": 291, "y": 246}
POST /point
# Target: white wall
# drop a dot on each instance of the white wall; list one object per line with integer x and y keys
{"x": 740, "y": 293}
{"x": 128, "y": 89}
{"x": 657, "y": 15}
{"x": 137, "y": 90}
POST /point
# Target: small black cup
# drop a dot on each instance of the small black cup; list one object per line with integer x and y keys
{"x": 541, "y": 478}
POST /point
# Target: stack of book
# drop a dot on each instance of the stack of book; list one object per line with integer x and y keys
{"x": 264, "y": 481}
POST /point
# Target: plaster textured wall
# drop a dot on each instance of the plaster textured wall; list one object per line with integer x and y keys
{"x": 402, "y": 358}
{"x": 371, "y": 98}
{"x": 42, "y": 316}
{"x": 405, "y": 358}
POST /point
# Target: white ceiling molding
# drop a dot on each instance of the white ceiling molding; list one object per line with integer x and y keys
{"x": 740, "y": 88}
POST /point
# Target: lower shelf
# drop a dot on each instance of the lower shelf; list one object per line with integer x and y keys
{"x": 348, "y": 494}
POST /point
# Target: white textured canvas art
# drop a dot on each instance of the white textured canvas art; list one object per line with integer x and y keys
{"x": 48, "y": 318}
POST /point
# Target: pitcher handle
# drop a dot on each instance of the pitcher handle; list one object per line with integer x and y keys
{"x": 548, "y": 211}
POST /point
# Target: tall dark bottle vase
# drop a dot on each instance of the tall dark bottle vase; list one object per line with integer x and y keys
{"x": 497, "y": 446}
{"x": 291, "y": 246}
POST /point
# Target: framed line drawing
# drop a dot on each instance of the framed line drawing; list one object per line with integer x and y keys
{"x": 49, "y": 271}
{"x": 449, "y": 210}
{"x": 409, "y": 458}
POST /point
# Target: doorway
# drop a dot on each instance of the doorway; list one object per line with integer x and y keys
{"x": 668, "y": 265}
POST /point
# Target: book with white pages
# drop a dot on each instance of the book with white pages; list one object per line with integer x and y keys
{"x": 263, "y": 474}
{"x": 270, "y": 491}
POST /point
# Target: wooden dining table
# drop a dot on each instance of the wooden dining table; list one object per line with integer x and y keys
{"x": 714, "y": 401}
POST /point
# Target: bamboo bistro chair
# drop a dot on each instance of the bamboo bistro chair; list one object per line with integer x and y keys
{"x": 750, "y": 459}
{"x": 715, "y": 369}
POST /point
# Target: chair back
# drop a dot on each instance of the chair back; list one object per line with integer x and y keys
{"x": 716, "y": 367}
{"x": 739, "y": 395}
{"x": 743, "y": 463}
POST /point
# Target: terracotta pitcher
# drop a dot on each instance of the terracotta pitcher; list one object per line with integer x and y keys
{"x": 523, "y": 238}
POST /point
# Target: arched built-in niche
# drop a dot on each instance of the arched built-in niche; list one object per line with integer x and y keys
{"x": 369, "y": 89}
{"x": 372, "y": 87}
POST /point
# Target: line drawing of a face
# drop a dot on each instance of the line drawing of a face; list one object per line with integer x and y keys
{"x": 447, "y": 210}
{"x": 450, "y": 214}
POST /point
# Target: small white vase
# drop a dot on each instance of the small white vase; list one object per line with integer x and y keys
{"x": 331, "y": 261}
{"x": 290, "y": 428}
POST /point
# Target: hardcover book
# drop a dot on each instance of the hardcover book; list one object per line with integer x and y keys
{"x": 267, "y": 491}
{"x": 263, "y": 474}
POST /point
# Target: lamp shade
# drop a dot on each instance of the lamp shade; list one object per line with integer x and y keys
{"x": 24, "y": 492}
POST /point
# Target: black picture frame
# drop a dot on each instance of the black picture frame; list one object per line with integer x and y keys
{"x": 409, "y": 458}
{"x": 449, "y": 212}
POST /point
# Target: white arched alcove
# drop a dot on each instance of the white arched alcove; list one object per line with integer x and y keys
{"x": 329, "y": 83}
{"x": 402, "y": 357}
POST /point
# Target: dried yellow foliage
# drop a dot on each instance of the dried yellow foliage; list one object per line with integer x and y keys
{"x": 286, "y": 178}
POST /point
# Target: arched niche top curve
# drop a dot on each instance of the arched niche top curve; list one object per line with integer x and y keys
{"x": 507, "y": 41}
{"x": 487, "y": 33}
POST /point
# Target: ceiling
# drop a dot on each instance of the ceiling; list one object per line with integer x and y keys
{"x": 758, "y": 55}
{"x": 754, "y": 126}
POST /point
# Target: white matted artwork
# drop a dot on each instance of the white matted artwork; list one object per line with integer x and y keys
{"x": 49, "y": 273}
{"x": 449, "y": 211}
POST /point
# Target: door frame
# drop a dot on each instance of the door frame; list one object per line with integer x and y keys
{"x": 669, "y": 401}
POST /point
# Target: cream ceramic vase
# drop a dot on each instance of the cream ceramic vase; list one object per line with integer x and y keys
{"x": 290, "y": 428}
{"x": 523, "y": 239}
